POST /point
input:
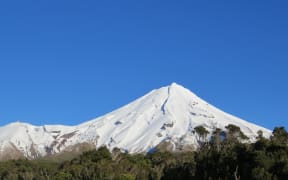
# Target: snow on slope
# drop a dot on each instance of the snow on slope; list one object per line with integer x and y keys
{"x": 167, "y": 114}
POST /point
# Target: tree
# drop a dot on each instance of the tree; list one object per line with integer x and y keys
{"x": 260, "y": 134}
{"x": 202, "y": 133}
{"x": 216, "y": 139}
{"x": 280, "y": 136}
{"x": 234, "y": 133}
{"x": 261, "y": 143}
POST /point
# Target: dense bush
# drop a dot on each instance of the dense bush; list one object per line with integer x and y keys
{"x": 226, "y": 159}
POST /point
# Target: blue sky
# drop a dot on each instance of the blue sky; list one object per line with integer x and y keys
{"x": 65, "y": 62}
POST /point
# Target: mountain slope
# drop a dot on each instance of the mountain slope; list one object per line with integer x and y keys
{"x": 167, "y": 114}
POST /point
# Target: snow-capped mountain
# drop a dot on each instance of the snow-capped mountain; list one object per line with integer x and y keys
{"x": 168, "y": 114}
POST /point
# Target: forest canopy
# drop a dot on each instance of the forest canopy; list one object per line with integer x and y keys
{"x": 217, "y": 158}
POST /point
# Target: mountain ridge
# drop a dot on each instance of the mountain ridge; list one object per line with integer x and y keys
{"x": 167, "y": 114}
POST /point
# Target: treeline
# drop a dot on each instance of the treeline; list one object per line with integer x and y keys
{"x": 224, "y": 156}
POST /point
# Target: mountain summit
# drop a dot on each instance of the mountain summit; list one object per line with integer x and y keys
{"x": 168, "y": 114}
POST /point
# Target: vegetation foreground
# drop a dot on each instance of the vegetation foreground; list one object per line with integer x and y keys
{"x": 218, "y": 158}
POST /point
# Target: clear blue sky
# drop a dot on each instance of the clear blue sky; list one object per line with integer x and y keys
{"x": 65, "y": 62}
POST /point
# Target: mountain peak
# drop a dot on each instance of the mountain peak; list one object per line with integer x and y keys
{"x": 178, "y": 91}
{"x": 168, "y": 114}
{"x": 176, "y": 86}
